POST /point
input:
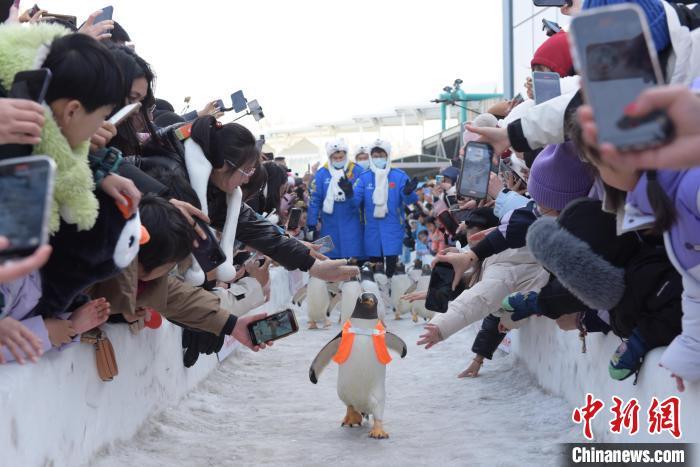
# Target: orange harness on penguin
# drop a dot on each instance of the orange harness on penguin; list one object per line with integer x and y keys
{"x": 348, "y": 338}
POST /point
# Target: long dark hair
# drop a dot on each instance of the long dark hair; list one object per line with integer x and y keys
{"x": 134, "y": 67}
{"x": 276, "y": 178}
{"x": 232, "y": 143}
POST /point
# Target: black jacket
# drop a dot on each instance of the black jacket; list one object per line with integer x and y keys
{"x": 489, "y": 338}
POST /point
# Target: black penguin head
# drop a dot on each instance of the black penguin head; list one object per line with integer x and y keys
{"x": 426, "y": 271}
{"x": 366, "y": 273}
{"x": 366, "y": 307}
{"x": 400, "y": 269}
{"x": 379, "y": 268}
{"x": 352, "y": 262}
{"x": 418, "y": 264}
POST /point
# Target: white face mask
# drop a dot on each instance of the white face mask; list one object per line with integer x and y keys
{"x": 363, "y": 164}
{"x": 339, "y": 165}
{"x": 379, "y": 163}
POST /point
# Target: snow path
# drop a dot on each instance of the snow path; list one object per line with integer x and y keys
{"x": 262, "y": 410}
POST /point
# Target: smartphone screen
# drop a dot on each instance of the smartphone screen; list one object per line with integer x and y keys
{"x": 451, "y": 200}
{"x": 559, "y": 3}
{"x": 439, "y": 179}
{"x": 326, "y": 244}
{"x": 612, "y": 50}
{"x": 476, "y": 168}
{"x": 106, "y": 14}
{"x": 273, "y": 327}
{"x": 545, "y": 86}
{"x": 294, "y": 216}
{"x": 450, "y": 224}
{"x": 26, "y": 191}
{"x": 208, "y": 253}
{"x": 239, "y": 101}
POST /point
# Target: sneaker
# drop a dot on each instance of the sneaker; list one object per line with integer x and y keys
{"x": 628, "y": 358}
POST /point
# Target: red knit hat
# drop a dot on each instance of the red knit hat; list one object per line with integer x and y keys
{"x": 554, "y": 53}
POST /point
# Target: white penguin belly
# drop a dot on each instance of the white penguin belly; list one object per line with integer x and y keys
{"x": 399, "y": 285}
{"x": 361, "y": 379}
{"x": 317, "y": 300}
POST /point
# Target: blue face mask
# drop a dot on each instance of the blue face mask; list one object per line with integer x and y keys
{"x": 363, "y": 164}
{"x": 379, "y": 163}
{"x": 339, "y": 165}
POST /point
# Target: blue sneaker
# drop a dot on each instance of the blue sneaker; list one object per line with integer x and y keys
{"x": 522, "y": 305}
{"x": 628, "y": 358}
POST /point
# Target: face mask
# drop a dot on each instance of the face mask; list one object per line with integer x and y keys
{"x": 339, "y": 165}
{"x": 379, "y": 163}
{"x": 363, "y": 164}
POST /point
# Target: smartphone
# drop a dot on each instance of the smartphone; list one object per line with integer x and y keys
{"x": 451, "y": 201}
{"x": 31, "y": 85}
{"x": 26, "y": 194}
{"x": 518, "y": 99}
{"x": 124, "y": 113}
{"x": 545, "y": 86}
{"x": 239, "y": 101}
{"x": 476, "y": 168}
{"x": 326, "y": 244}
{"x": 208, "y": 253}
{"x": 219, "y": 104}
{"x": 294, "y": 216}
{"x": 616, "y": 59}
{"x": 273, "y": 327}
{"x": 256, "y": 110}
{"x": 106, "y": 14}
{"x": 449, "y": 222}
{"x": 440, "y": 291}
{"x": 546, "y": 3}
{"x": 439, "y": 179}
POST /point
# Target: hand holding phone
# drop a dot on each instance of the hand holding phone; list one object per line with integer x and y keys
{"x": 294, "y": 217}
{"x": 546, "y": 86}
{"x": 26, "y": 192}
{"x": 326, "y": 244}
{"x": 273, "y": 327}
{"x": 474, "y": 177}
{"x": 449, "y": 222}
{"x": 208, "y": 253}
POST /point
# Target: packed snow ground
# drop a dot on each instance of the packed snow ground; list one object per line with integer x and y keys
{"x": 262, "y": 410}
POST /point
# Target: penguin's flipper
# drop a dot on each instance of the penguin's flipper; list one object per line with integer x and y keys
{"x": 324, "y": 358}
{"x": 411, "y": 289}
{"x": 299, "y": 296}
{"x": 396, "y": 344}
{"x": 334, "y": 303}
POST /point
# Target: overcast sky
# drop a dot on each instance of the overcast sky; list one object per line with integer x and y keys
{"x": 311, "y": 61}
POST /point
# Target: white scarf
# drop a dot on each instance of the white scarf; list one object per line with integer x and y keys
{"x": 334, "y": 192}
{"x": 381, "y": 189}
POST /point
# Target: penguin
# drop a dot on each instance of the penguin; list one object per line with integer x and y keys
{"x": 361, "y": 351}
{"x": 400, "y": 283}
{"x": 418, "y": 307}
{"x": 317, "y": 302}
{"x": 350, "y": 291}
{"x": 336, "y": 296}
{"x": 382, "y": 281}
{"x": 299, "y": 297}
{"x": 370, "y": 286}
{"x": 415, "y": 272}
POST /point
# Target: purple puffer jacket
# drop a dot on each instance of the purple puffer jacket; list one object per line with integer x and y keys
{"x": 682, "y": 241}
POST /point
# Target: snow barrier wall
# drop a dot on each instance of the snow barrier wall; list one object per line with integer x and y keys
{"x": 555, "y": 359}
{"x": 58, "y": 413}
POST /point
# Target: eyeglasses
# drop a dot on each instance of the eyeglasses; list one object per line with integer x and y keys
{"x": 246, "y": 173}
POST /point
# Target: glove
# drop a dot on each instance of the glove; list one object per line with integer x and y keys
{"x": 410, "y": 187}
{"x": 199, "y": 342}
{"x": 345, "y": 185}
{"x": 521, "y": 305}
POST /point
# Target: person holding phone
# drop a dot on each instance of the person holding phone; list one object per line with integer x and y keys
{"x": 382, "y": 193}
{"x": 331, "y": 202}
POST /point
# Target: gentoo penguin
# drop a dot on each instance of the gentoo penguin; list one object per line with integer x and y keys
{"x": 400, "y": 283}
{"x": 361, "y": 351}
{"x": 299, "y": 296}
{"x": 418, "y": 307}
{"x": 370, "y": 286}
{"x": 383, "y": 282}
{"x": 317, "y": 302}
{"x": 350, "y": 291}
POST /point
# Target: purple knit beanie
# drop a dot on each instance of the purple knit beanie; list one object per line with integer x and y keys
{"x": 558, "y": 177}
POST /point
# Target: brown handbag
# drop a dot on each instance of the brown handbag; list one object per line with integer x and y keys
{"x": 104, "y": 353}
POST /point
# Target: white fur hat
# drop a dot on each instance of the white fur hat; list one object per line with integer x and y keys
{"x": 361, "y": 149}
{"x": 336, "y": 145}
{"x": 381, "y": 144}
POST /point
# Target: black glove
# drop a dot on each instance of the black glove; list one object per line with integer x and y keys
{"x": 345, "y": 185}
{"x": 410, "y": 187}
{"x": 199, "y": 342}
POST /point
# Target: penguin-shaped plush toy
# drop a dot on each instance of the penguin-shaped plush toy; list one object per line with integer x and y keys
{"x": 369, "y": 285}
{"x": 317, "y": 301}
{"x": 350, "y": 291}
{"x": 400, "y": 283}
{"x": 361, "y": 350}
{"x": 418, "y": 307}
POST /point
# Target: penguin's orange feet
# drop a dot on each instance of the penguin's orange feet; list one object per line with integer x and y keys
{"x": 352, "y": 418}
{"x": 397, "y": 316}
{"x": 378, "y": 431}
{"x": 327, "y": 323}
{"x": 414, "y": 318}
{"x": 312, "y": 325}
